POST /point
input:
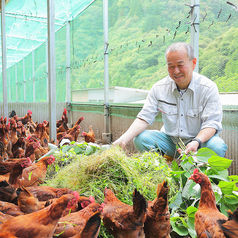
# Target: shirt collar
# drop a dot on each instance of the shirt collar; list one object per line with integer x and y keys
{"x": 190, "y": 86}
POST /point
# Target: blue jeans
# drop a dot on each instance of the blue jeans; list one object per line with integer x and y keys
{"x": 154, "y": 139}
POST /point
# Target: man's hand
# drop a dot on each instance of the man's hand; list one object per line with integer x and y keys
{"x": 192, "y": 146}
{"x": 119, "y": 142}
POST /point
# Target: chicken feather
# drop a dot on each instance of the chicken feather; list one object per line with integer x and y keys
{"x": 122, "y": 220}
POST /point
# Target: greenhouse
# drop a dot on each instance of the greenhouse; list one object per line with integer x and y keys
{"x": 95, "y": 61}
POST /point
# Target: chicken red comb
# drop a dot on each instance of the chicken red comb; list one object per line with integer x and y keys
{"x": 29, "y": 112}
{"x": 92, "y": 199}
{"x": 195, "y": 171}
{"x": 84, "y": 133}
{"x": 76, "y": 194}
{"x": 52, "y": 157}
{"x": 65, "y": 111}
{"x": 29, "y": 160}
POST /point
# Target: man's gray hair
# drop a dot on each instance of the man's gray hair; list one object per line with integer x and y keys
{"x": 177, "y": 46}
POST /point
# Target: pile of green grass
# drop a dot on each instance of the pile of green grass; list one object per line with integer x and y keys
{"x": 111, "y": 168}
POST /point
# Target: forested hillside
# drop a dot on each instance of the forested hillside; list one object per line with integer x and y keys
{"x": 139, "y": 33}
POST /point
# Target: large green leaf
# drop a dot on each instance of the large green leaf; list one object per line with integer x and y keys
{"x": 191, "y": 211}
{"x": 226, "y": 187}
{"x": 177, "y": 173}
{"x": 204, "y": 154}
{"x": 178, "y": 201}
{"x": 174, "y": 166}
{"x": 219, "y": 163}
{"x": 186, "y": 193}
{"x": 231, "y": 199}
{"x": 179, "y": 227}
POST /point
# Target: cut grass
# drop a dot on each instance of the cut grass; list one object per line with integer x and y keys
{"x": 111, "y": 168}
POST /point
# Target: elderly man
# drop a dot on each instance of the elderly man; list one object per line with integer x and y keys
{"x": 190, "y": 107}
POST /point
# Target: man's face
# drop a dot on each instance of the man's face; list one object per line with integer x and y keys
{"x": 180, "y": 69}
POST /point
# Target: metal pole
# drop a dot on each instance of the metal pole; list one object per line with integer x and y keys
{"x": 195, "y": 30}
{"x": 9, "y": 88}
{"x": 4, "y": 61}
{"x": 24, "y": 80}
{"x": 51, "y": 67}
{"x": 68, "y": 83}
{"x": 106, "y": 136}
{"x": 16, "y": 80}
{"x": 33, "y": 76}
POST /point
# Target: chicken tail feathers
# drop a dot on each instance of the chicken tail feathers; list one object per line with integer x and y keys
{"x": 23, "y": 189}
{"x": 230, "y": 227}
{"x": 92, "y": 227}
{"x": 139, "y": 204}
{"x": 162, "y": 190}
{"x": 7, "y": 192}
{"x": 162, "y": 196}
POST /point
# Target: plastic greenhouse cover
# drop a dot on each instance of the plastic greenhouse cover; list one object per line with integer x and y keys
{"x": 26, "y": 24}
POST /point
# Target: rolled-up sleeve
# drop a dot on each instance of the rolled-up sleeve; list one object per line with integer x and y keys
{"x": 150, "y": 109}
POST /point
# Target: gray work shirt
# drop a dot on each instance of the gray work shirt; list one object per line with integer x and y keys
{"x": 184, "y": 115}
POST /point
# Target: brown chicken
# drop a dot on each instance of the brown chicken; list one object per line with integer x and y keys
{"x": 36, "y": 173}
{"x": 157, "y": 224}
{"x": 44, "y": 137}
{"x": 122, "y": 220}
{"x": 60, "y": 136}
{"x": 26, "y": 201}
{"x": 75, "y": 125}
{"x": 41, "y": 134}
{"x": 41, "y": 223}
{"x": 82, "y": 202}
{"x": 10, "y": 209}
{"x": 90, "y": 136}
{"x": 44, "y": 193}
{"x": 8, "y": 192}
{"x": 206, "y": 217}
{"x": 13, "y": 137}
{"x": 230, "y": 227}
{"x": 30, "y": 150}
{"x": 71, "y": 135}
{"x": 20, "y": 129}
{"x": 39, "y": 152}
{"x": 16, "y": 172}
{"x": 26, "y": 118}
{"x": 74, "y": 223}
{"x": 4, "y": 134}
{"x": 18, "y": 149}
{"x": 62, "y": 128}
{"x": 30, "y": 129}
{"x": 6, "y": 166}
{"x": 64, "y": 119}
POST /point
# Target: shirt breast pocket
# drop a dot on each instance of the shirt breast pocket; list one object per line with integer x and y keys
{"x": 194, "y": 121}
{"x": 169, "y": 114}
